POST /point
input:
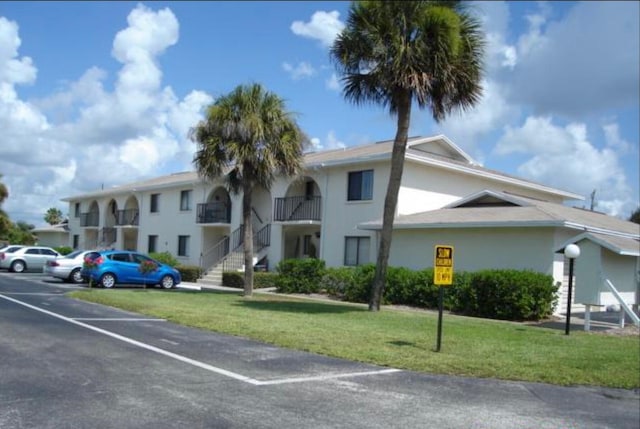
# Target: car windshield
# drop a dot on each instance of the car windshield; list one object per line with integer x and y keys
{"x": 11, "y": 249}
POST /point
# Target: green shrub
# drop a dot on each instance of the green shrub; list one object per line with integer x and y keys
{"x": 360, "y": 289}
{"x": 63, "y": 250}
{"x": 336, "y": 281}
{"x": 300, "y": 275}
{"x": 506, "y": 295}
{"x": 189, "y": 273}
{"x": 233, "y": 279}
{"x": 261, "y": 279}
{"x": 264, "y": 279}
{"x": 165, "y": 258}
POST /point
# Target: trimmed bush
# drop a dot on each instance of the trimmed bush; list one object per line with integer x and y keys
{"x": 165, "y": 258}
{"x": 360, "y": 289}
{"x": 261, "y": 279}
{"x": 189, "y": 273}
{"x": 299, "y": 275}
{"x": 264, "y": 279}
{"x": 233, "y": 279}
{"x": 336, "y": 281}
{"x": 63, "y": 250}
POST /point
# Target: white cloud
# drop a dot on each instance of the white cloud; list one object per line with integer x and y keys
{"x": 332, "y": 83}
{"x": 84, "y": 136}
{"x": 13, "y": 70}
{"x": 468, "y": 128}
{"x": 301, "y": 71}
{"x": 330, "y": 142}
{"x": 586, "y": 62}
{"x": 324, "y": 27}
{"x": 564, "y": 157}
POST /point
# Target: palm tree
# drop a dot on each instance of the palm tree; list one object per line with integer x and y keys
{"x": 5, "y": 223}
{"x": 249, "y": 137}
{"x": 395, "y": 53}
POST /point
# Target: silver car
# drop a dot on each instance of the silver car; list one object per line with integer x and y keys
{"x": 67, "y": 267}
{"x": 30, "y": 258}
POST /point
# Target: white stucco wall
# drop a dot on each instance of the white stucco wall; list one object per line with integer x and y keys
{"x": 476, "y": 249}
{"x": 428, "y": 188}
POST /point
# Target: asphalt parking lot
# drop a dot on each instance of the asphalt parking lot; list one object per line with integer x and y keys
{"x": 66, "y": 363}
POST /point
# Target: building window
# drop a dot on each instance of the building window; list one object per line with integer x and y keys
{"x": 183, "y": 245}
{"x": 76, "y": 210}
{"x": 76, "y": 241}
{"x": 360, "y": 185}
{"x": 185, "y": 200}
{"x": 356, "y": 250}
{"x": 155, "y": 200}
{"x": 153, "y": 244}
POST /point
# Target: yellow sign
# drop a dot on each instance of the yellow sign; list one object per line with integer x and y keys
{"x": 443, "y": 265}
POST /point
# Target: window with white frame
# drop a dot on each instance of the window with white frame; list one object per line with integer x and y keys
{"x": 360, "y": 186}
{"x": 356, "y": 250}
{"x": 185, "y": 200}
{"x": 183, "y": 245}
{"x": 76, "y": 211}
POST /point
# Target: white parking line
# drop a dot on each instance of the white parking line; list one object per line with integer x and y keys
{"x": 194, "y": 362}
{"x": 117, "y": 319}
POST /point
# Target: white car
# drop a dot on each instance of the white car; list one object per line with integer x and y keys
{"x": 67, "y": 267}
{"x": 25, "y": 258}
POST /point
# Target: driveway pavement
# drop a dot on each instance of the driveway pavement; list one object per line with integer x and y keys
{"x": 66, "y": 363}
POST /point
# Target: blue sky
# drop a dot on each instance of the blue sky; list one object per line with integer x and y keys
{"x": 98, "y": 94}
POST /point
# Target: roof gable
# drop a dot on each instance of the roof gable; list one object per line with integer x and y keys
{"x": 440, "y": 145}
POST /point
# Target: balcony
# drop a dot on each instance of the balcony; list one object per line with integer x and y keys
{"x": 128, "y": 217}
{"x": 89, "y": 219}
{"x": 215, "y": 212}
{"x": 297, "y": 208}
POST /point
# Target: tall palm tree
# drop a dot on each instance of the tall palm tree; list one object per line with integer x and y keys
{"x": 249, "y": 137}
{"x": 395, "y": 53}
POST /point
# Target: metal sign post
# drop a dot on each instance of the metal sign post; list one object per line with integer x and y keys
{"x": 442, "y": 276}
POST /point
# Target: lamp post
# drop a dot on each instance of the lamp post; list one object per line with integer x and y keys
{"x": 572, "y": 252}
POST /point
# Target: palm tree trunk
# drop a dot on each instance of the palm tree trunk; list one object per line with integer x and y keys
{"x": 391, "y": 199}
{"x": 247, "y": 240}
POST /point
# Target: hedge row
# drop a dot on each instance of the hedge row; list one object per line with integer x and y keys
{"x": 260, "y": 279}
{"x": 495, "y": 294}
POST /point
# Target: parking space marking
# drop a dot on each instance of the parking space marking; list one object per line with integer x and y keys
{"x": 117, "y": 319}
{"x": 194, "y": 362}
{"x": 35, "y": 293}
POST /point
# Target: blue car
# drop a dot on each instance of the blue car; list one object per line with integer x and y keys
{"x": 110, "y": 267}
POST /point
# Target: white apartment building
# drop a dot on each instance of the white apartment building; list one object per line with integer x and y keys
{"x": 333, "y": 211}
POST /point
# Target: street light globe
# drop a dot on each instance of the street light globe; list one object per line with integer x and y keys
{"x": 572, "y": 251}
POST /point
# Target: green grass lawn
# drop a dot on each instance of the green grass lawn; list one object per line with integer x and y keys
{"x": 399, "y": 339}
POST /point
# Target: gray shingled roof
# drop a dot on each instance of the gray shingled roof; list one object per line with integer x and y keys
{"x": 530, "y": 214}
{"x": 351, "y": 155}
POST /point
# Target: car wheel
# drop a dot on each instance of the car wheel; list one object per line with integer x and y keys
{"x": 167, "y": 282}
{"x": 18, "y": 266}
{"x": 108, "y": 280}
{"x": 75, "y": 276}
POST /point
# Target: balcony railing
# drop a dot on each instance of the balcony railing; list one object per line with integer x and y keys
{"x": 215, "y": 212}
{"x": 297, "y": 208}
{"x": 89, "y": 219}
{"x": 127, "y": 217}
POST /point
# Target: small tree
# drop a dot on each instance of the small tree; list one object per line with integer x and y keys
{"x": 53, "y": 216}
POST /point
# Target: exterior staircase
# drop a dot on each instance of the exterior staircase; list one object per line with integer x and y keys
{"x": 234, "y": 259}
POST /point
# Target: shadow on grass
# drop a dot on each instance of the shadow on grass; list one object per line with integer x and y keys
{"x": 403, "y": 343}
{"x": 300, "y": 307}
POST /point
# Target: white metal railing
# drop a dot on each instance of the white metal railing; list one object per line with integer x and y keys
{"x": 634, "y": 317}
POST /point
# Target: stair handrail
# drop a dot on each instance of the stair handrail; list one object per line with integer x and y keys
{"x": 634, "y": 317}
{"x": 261, "y": 239}
{"x": 212, "y": 256}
